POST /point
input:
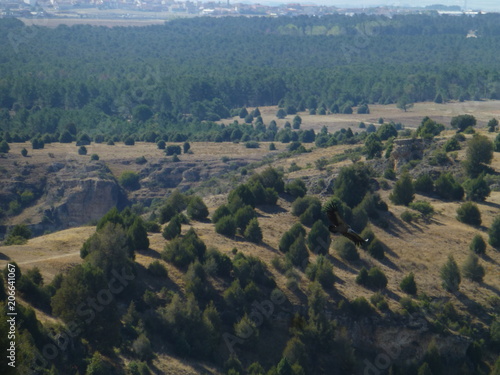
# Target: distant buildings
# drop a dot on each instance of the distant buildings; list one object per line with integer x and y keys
{"x": 67, "y": 8}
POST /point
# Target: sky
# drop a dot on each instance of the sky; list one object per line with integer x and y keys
{"x": 485, "y": 5}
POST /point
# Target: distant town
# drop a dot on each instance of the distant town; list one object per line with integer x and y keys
{"x": 164, "y": 9}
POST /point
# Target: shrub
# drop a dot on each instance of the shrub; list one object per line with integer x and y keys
{"x": 286, "y": 241}
{"x": 220, "y": 212}
{"x": 82, "y": 150}
{"x": 243, "y": 217}
{"x": 479, "y": 153}
{"x": 403, "y": 192}
{"x": 478, "y": 245}
{"x": 408, "y": 284}
{"x": 161, "y": 144}
{"x": 253, "y": 233}
{"x": 468, "y": 213}
{"x": 196, "y": 209}
{"x": 321, "y": 271}
{"x": 296, "y": 188}
{"x": 425, "y": 208}
{"x": 477, "y": 189}
{"x": 183, "y": 251}
{"x": 252, "y": 144}
{"x": 18, "y": 235}
{"x": 172, "y": 229}
{"x": 378, "y": 300}
{"x": 494, "y": 233}
{"x": 450, "y": 275}
{"x": 446, "y": 187}
{"x": 141, "y": 160}
{"x": 346, "y": 249}
{"x": 376, "y": 249}
{"x": 173, "y": 150}
{"x": 318, "y": 239}
{"x": 24, "y": 152}
{"x": 129, "y": 141}
{"x": 472, "y": 270}
{"x": 129, "y": 180}
{"x": 390, "y": 174}
{"x": 297, "y": 254}
{"x": 94, "y": 157}
{"x": 157, "y": 269}
{"x": 424, "y": 184}
{"x": 360, "y": 307}
{"x": 352, "y": 184}
{"x": 302, "y": 204}
{"x": 226, "y": 226}
{"x": 452, "y": 144}
{"x": 377, "y": 278}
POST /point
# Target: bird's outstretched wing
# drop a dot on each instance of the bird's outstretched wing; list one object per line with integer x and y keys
{"x": 354, "y": 237}
{"x": 333, "y": 216}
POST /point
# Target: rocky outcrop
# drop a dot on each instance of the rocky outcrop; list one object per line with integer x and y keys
{"x": 406, "y": 150}
{"x": 83, "y": 201}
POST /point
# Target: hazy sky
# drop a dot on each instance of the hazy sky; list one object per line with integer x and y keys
{"x": 487, "y": 5}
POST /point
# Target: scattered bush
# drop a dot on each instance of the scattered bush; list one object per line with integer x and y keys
{"x": 196, "y": 209}
{"x": 376, "y": 249}
{"x": 450, "y": 275}
{"x": 403, "y": 192}
{"x": 296, "y": 188}
{"x": 468, "y": 213}
{"x": 494, "y": 233}
{"x": 408, "y": 284}
{"x": 477, "y": 189}
{"x": 298, "y": 254}
{"x": 346, "y": 249}
{"x": 472, "y": 270}
{"x": 446, "y": 187}
{"x": 94, "y": 157}
{"x": 253, "y": 233}
{"x": 157, "y": 269}
{"x": 226, "y": 226}
{"x": 424, "y": 184}
{"x": 82, "y": 150}
{"x": 173, "y": 150}
{"x": 318, "y": 239}
{"x": 478, "y": 245}
{"x": 321, "y": 271}
{"x": 425, "y": 208}
{"x": 129, "y": 180}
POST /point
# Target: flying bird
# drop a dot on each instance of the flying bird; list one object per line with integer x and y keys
{"x": 338, "y": 225}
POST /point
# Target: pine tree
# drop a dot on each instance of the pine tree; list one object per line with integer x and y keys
{"x": 472, "y": 270}
{"x": 450, "y": 275}
{"x": 404, "y": 192}
{"x": 494, "y": 233}
{"x": 253, "y": 233}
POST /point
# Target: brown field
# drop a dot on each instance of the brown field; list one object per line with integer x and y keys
{"x": 443, "y": 113}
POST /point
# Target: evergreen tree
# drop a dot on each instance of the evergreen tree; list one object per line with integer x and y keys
{"x": 403, "y": 192}
{"x": 450, "y": 275}
{"x": 318, "y": 239}
{"x": 494, "y": 233}
{"x": 297, "y": 253}
{"x": 253, "y": 233}
{"x": 472, "y": 270}
{"x": 479, "y": 152}
{"x": 469, "y": 213}
{"x": 478, "y": 245}
{"x": 196, "y": 209}
{"x": 408, "y": 284}
{"x": 138, "y": 236}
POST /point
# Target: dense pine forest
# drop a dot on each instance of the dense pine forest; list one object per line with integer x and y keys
{"x": 203, "y": 257}
{"x": 124, "y": 81}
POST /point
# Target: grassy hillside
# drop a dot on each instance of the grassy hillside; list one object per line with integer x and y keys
{"x": 460, "y": 324}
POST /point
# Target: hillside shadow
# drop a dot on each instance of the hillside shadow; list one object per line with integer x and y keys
{"x": 491, "y": 204}
{"x": 389, "y": 263}
{"x": 491, "y": 288}
{"x": 390, "y": 294}
{"x": 149, "y": 253}
{"x": 473, "y": 308}
{"x": 271, "y": 210}
{"x": 488, "y": 259}
{"x": 337, "y": 263}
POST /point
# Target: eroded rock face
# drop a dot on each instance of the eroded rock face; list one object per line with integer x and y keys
{"x": 85, "y": 200}
{"x": 406, "y": 150}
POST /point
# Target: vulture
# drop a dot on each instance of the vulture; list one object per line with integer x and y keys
{"x": 338, "y": 225}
